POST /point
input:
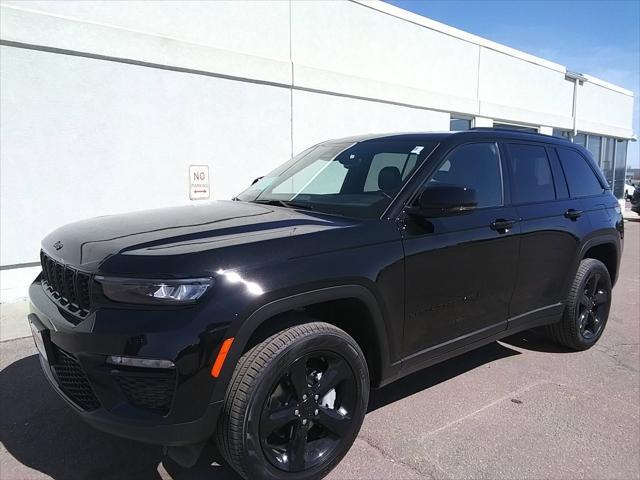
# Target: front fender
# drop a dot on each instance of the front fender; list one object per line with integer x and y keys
{"x": 242, "y": 330}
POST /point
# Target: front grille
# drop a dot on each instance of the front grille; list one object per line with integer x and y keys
{"x": 68, "y": 286}
{"x": 151, "y": 391}
{"x": 72, "y": 380}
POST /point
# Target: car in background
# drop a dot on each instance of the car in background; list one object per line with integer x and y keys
{"x": 635, "y": 201}
{"x": 629, "y": 189}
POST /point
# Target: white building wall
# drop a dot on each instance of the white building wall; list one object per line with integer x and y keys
{"x": 352, "y": 49}
{"x": 85, "y": 137}
{"x": 601, "y": 108}
{"x": 104, "y": 107}
{"x": 317, "y": 117}
{"x": 512, "y": 88}
{"x": 253, "y": 27}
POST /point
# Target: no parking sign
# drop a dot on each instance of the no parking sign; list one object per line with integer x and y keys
{"x": 199, "y": 182}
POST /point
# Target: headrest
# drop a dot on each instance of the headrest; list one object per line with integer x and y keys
{"x": 389, "y": 179}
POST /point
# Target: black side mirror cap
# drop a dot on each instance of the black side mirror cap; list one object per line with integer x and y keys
{"x": 443, "y": 201}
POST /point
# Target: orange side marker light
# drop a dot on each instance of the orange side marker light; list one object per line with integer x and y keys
{"x": 222, "y": 355}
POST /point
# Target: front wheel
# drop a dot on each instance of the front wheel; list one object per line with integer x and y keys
{"x": 587, "y": 307}
{"x": 295, "y": 404}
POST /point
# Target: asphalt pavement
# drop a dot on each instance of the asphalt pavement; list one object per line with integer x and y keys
{"x": 519, "y": 408}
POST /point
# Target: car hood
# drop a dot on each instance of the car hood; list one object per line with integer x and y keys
{"x": 180, "y": 230}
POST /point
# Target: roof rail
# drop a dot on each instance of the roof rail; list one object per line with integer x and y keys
{"x": 517, "y": 130}
{"x": 514, "y": 129}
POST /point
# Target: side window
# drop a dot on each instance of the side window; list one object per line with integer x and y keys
{"x": 581, "y": 178}
{"x": 475, "y": 166}
{"x": 532, "y": 179}
{"x": 405, "y": 163}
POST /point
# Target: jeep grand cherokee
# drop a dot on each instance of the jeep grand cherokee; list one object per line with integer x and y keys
{"x": 263, "y": 322}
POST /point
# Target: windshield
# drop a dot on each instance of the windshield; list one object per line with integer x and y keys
{"x": 351, "y": 179}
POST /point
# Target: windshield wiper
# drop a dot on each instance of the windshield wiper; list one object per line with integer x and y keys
{"x": 286, "y": 204}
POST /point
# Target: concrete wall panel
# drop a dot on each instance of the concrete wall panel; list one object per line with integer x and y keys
{"x": 358, "y": 41}
{"x": 83, "y": 137}
{"x": 253, "y": 27}
{"x": 604, "y": 111}
{"x": 530, "y": 90}
{"x": 318, "y": 117}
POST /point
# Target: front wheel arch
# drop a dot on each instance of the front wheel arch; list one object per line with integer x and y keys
{"x": 250, "y": 330}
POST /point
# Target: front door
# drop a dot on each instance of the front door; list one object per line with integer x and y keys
{"x": 461, "y": 269}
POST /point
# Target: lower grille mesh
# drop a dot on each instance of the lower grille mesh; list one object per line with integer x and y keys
{"x": 152, "y": 392}
{"x": 72, "y": 380}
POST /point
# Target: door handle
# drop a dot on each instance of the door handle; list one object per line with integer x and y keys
{"x": 501, "y": 225}
{"x": 573, "y": 214}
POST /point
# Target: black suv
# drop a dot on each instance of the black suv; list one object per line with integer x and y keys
{"x": 263, "y": 322}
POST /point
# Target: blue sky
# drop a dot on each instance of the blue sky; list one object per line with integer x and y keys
{"x": 600, "y": 38}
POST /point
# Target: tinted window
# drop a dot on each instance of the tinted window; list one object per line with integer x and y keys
{"x": 620, "y": 168}
{"x": 580, "y": 139}
{"x": 581, "y": 179}
{"x": 606, "y": 165}
{"x": 561, "y": 133}
{"x": 459, "y": 124}
{"x": 532, "y": 180}
{"x": 594, "y": 144}
{"x": 475, "y": 166}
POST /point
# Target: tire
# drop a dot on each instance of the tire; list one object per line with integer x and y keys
{"x": 268, "y": 389}
{"x": 586, "y": 308}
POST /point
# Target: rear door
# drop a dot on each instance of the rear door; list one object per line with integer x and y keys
{"x": 552, "y": 224}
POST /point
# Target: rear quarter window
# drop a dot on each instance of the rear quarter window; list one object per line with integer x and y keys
{"x": 581, "y": 178}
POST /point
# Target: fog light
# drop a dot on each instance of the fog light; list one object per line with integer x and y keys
{"x": 139, "y": 362}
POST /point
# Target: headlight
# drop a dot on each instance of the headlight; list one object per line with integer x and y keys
{"x": 153, "y": 292}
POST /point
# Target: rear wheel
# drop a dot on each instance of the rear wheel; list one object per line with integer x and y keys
{"x": 587, "y": 307}
{"x": 295, "y": 404}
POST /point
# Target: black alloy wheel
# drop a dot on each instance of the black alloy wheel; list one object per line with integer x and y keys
{"x": 308, "y": 412}
{"x": 295, "y": 404}
{"x": 586, "y": 307}
{"x": 593, "y": 306}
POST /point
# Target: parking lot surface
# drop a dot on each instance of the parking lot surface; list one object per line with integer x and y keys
{"x": 519, "y": 408}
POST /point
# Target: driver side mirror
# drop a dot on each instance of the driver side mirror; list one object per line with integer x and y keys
{"x": 444, "y": 201}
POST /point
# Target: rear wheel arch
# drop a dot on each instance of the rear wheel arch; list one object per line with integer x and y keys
{"x": 605, "y": 250}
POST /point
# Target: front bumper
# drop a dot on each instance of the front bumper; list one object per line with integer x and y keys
{"x": 171, "y": 407}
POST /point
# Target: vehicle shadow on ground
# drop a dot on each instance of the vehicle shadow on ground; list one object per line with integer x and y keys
{"x": 427, "y": 378}
{"x": 43, "y": 433}
{"x": 535, "y": 340}
{"x": 40, "y": 431}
